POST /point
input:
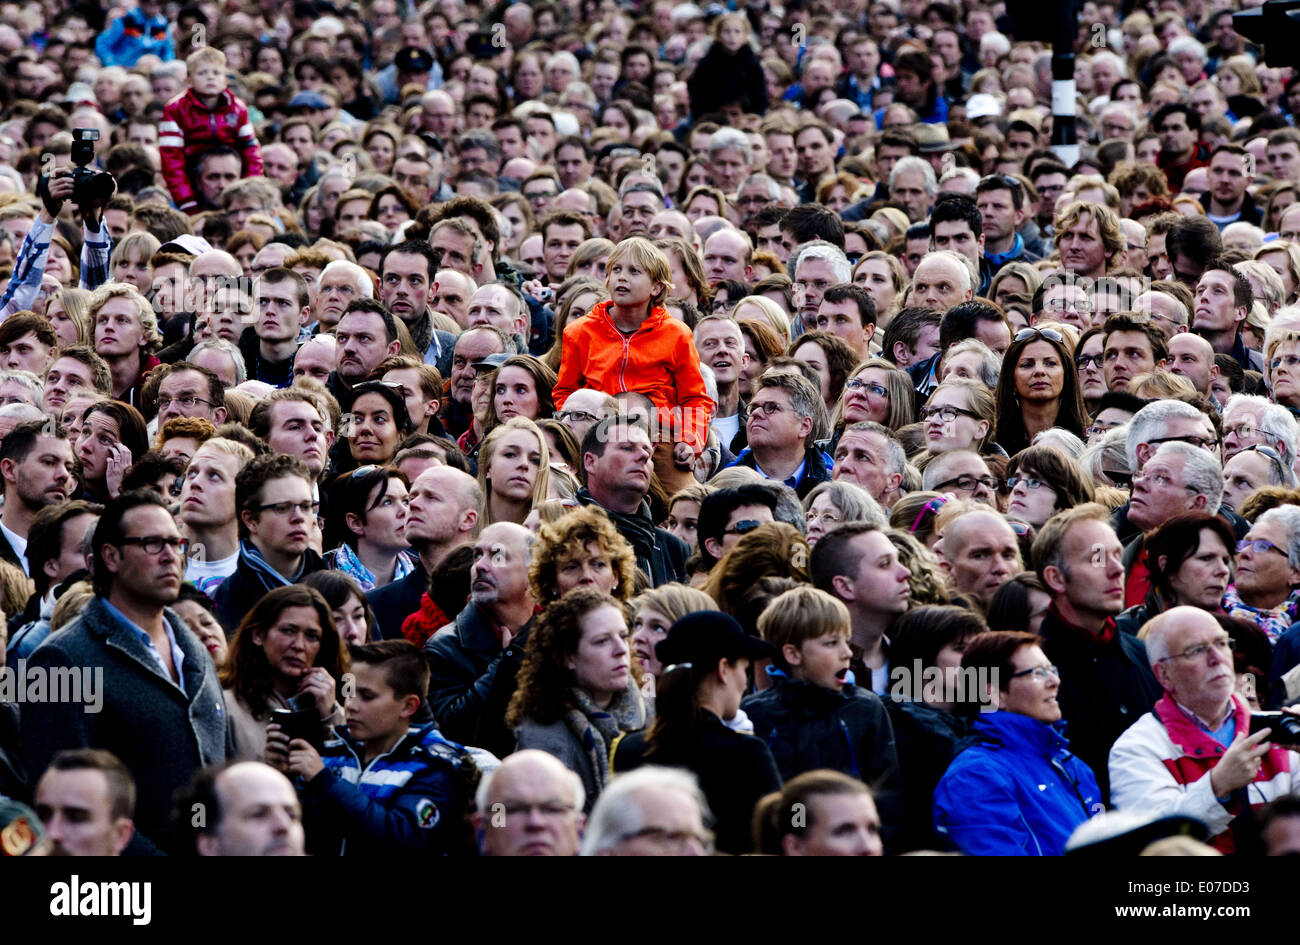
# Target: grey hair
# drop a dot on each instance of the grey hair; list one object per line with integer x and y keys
{"x": 618, "y": 813}
{"x": 1275, "y": 422}
{"x": 773, "y": 188}
{"x": 961, "y": 173}
{"x": 895, "y": 455}
{"x": 990, "y": 363}
{"x": 725, "y": 138}
{"x": 1288, "y": 517}
{"x": 563, "y": 56}
{"x": 21, "y": 412}
{"x": 1062, "y": 439}
{"x": 805, "y": 400}
{"x": 479, "y": 138}
{"x": 484, "y": 790}
{"x": 27, "y": 379}
{"x": 931, "y": 476}
{"x": 855, "y": 503}
{"x": 911, "y": 163}
{"x": 1188, "y": 44}
{"x": 968, "y": 267}
{"x": 221, "y": 344}
{"x": 1109, "y": 450}
{"x": 830, "y": 253}
{"x": 1201, "y": 471}
{"x": 365, "y": 288}
{"x": 1147, "y": 423}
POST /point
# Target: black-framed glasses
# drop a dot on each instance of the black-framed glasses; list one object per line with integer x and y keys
{"x": 153, "y": 544}
{"x": 1267, "y": 452}
{"x": 768, "y": 407}
{"x": 1049, "y": 333}
{"x": 743, "y": 527}
{"x": 187, "y": 401}
{"x": 1201, "y": 442}
{"x": 1258, "y": 545}
{"x": 947, "y": 413}
{"x": 580, "y": 416}
{"x": 1224, "y": 645}
{"x": 967, "y": 483}
{"x": 870, "y": 386}
{"x": 1040, "y": 673}
{"x": 1083, "y": 360}
{"x": 285, "y": 508}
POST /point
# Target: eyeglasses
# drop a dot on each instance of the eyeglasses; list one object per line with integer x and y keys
{"x": 1030, "y": 483}
{"x": 968, "y": 483}
{"x": 1289, "y": 360}
{"x": 826, "y": 518}
{"x": 768, "y": 407}
{"x": 153, "y": 544}
{"x": 1203, "y": 442}
{"x": 1083, "y": 360}
{"x": 1258, "y": 545}
{"x": 187, "y": 401}
{"x": 871, "y": 388}
{"x": 1160, "y": 480}
{"x": 580, "y": 416}
{"x": 1079, "y": 306}
{"x": 663, "y": 837}
{"x": 1119, "y": 477}
{"x": 1040, "y": 673}
{"x": 540, "y": 195}
{"x": 1050, "y": 333}
{"x": 284, "y": 508}
{"x": 1224, "y": 645}
{"x": 742, "y": 527}
{"x": 947, "y": 413}
{"x": 1248, "y": 431}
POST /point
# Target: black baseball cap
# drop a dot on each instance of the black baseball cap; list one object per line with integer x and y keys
{"x": 414, "y": 59}
{"x": 707, "y": 636}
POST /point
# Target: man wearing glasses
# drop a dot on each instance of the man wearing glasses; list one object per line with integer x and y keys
{"x": 962, "y": 473}
{"x": 1249, "y": 420}
{"x": 187, "y": 390}
{"x": 540, "y": 804}
{"x": 1078, "y": 557}
{"x": 162, "y": 711}
{"x": 1193, "y": 755}
{"x": 277, "y": 519}
{"x": 779, "y": 432}
{"x": 727, "y": 515}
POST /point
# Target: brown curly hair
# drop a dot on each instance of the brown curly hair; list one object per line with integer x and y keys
{"x": 772, "y": 550}
{"x": 542, "y": 693}
{"x": 568, "y": 537}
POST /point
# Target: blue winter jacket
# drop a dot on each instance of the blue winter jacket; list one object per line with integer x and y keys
{"x": 411, "y": 799}
{"x": 1015, "y": 791}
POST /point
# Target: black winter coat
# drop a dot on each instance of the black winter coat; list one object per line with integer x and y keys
{"x": 735, "y": 772}
{"x": 807, "y": 727}
{"x": 926, "y": 739}
{"x": 394, "y": 602}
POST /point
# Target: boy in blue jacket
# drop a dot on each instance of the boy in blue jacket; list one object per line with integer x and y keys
{"x": 382, "y": 784}
{"x": 812, "y": 718}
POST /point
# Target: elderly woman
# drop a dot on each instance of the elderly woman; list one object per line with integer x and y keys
{"x": 973, "y": 360}
{"x": 831, "y": 503}
{"x": 286, "y": 654}
{"x": 1268, "y": 573}
{"x": 1189, "y": 559}
{"x": 579, "y": 688}
{"x": 1282, "y": 369}
{"x": 959, "y": 415}
{"x": 1043, "y": 480}
{"x": 1038, "y": 389}
{"x": 581, "y": 549}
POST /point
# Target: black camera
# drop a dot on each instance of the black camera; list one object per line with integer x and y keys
{"x": 88, "y": 187}
{"x": 1285, "y": 726}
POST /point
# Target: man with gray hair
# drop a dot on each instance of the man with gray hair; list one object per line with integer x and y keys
{"x": 730, "y": 159}
{"x": 816, "y": 266}
{"x": 340, "y": 283}
{"x": 224, "y": 360}
{"x": 869, "y": 455}
{"x": 652, "y": 811}
{"x": 530, "y": 806}
{"x": 1249, "y": 420}
{"x": 912, "y": 186}
{"x": 1178, "y": 478}
{"x": 963, "y": 473}
{"x": 756, "y": 192}
{"x": 639, "y": 204}
{"x": 783, "y": 414}
{"x": 1254, "y": 468}
{"x": 1193, "y": 754}
{"x": 943, "y": 279}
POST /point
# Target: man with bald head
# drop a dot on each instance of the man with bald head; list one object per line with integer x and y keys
{"x": 942, "y": 280}
{"x": 496, "y": 305}
{"x": 980, "y": 553}
{"x": 1192, "y": 357}
{"x": 727, "y": 255}
{"x": 438, "y": 114}
{"x": 250, "y": 810}
{"x": 584, "y": 408}
{"x": 280, "y": 165}
{"x": 444, "y": 505}
{"x": 530, "y": 806}
{"x": 452, "y": 292}
{"x": 316, "y": 359}
{"x": 667, "y": 224}
{"x": 474, "y": 660}
{"x": 1193, "y": 754}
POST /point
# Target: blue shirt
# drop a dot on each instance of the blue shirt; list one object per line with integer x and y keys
{"x": 178, "y": 655}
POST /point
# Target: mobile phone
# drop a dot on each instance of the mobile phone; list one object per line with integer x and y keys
{"x": 300, "y": 723}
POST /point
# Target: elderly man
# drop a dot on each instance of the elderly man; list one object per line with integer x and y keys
{"x": 1249, "y": 420}
{"x": 251, "y": 810}
{"x": 963, "y": 473}
{"x": 1193, "y": 755}
{"x": 943, "y": 279}
{"x": 780, "y": 429}
{"x": 340, "y": 283}
{"x": 869, "y": 455}
{"x": 651, "y": 811}
{"x": 474, "y": 662}
{"x": 530, "y": 806}
{"x": 818, "y": 266}
{"x": 1254, "y": 468}
{"x": 912, "y": 186}
{"x": 1078, "y": 557}
{"x": 1192, "y": 357}
{"x": 980, "y": 552}
{"x": 452, "y": 291}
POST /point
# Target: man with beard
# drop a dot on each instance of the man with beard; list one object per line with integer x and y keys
{"x": 366, "y": 336}
{"x": 161, "y": 710}
{"x": 407, "y": 288}
{"x": 474, "y": 664}
{"x": 38, "y": 468}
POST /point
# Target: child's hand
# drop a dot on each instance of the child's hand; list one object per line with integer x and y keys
{"x": 683, "y": 456}
{"x": 304, "y": 760}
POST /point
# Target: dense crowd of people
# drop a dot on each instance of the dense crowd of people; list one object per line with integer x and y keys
{"x": 645, "y": 428}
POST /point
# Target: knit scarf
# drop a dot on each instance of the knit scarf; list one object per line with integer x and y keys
{"x": 596, "y": 728}
{"x": 1273, "y": 621}
{"x": 422, "y": 332}
{"x": 425, "y": 622}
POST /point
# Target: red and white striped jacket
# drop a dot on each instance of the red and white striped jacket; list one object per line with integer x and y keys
{"x": 189, "y": 128}
{"x": 1162, "y": 762}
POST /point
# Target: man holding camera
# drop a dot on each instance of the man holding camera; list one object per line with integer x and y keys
{"x": 1199, "y": 752}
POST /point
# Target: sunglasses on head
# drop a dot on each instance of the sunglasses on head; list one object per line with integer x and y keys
{"x": 1050, "y": 333}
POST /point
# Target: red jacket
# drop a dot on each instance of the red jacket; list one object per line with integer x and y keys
{"x": 658, "y": 360}
{"x": 190, "y": 128}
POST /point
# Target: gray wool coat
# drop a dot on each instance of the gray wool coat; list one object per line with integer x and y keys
{"x": 162, "y": 734}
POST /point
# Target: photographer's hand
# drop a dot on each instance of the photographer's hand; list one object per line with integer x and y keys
{"x": 60, "y": 189}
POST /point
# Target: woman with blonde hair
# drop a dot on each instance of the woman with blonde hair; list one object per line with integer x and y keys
{"x": 69, "y": 313}
{"x": 129, "y": 261}
{"x": 839, "y": 191}
{"x": 761, "y": 309}
{"x": 877, "y": 390}
{"x": 581, "y": 549}
{"x": 588, "y": 260}
{"x": 688, "y": 279}
{"x": 577, "y": 296}
{"x": 513, "y": 471}
{"x": 1283, "y": 257}
{"x": 655, "y": 612}
{"x": 881, "y": 275}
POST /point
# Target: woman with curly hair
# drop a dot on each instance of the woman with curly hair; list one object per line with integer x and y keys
{"x": 581, "y": 549}
{"x": 286, "y": 654}
{"x": 775, "y": 549}
{"x": 579, "y": 690}
{"x": 927, "y": 581}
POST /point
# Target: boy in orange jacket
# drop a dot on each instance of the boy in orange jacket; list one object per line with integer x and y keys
{"x": 631, "y": 343}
